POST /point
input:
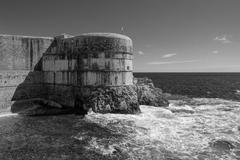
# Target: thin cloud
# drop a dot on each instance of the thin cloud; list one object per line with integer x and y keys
{"x": 223, "y": 39}
{"x": 171, "y": 62}
{"x": 141, "y": 53}
{"x": 215, "y": 52}
{"x": 169, "y": 55}
{"x": 224, "y": 66}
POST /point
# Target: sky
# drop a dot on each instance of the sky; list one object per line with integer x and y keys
{"x": 168, "y": 35}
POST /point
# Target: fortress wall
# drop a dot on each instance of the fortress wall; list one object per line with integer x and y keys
{"x": 60, "y": 62}
{"x": 21, "y": 52}
{"x": 87, "y": 71}
{"x": 89, "y": 60}
{"x": 72, "y": 65}
{"x": 62, "y": 69}
{"x": 18, "y": 57}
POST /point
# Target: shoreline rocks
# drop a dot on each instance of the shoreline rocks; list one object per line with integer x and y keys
{"x": 126, "y": 99}
{"x": 39, "y": 107}
{"x": 148, "y": 94}
{"x": 121, "y": 99}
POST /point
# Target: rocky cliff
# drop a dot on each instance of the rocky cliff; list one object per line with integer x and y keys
{"x": 122, "y": 99}
{"x": 126, "y": 99}
{"x": 148, "y": 94}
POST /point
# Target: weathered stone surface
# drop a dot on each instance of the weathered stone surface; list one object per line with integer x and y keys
{"x": 5, "y": 98}
{"x": 148, "y": 94}
{"x": 114, "y": 100}
{"x": 96, "y": 42}
{"x": 124, "y": 99}
{"x": 19, "y": 56}
{"x": 38, "y": 106}
{"x": 21, "y": 52}
{"x": 92, "y": 59}
{"x": 222, "y": 145}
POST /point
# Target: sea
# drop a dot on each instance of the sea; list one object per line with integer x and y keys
{"x": 204, "y": 85}
{"x": 203, "y": 123}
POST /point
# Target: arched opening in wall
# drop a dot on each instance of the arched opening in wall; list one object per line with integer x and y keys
{"x": 79, "y": 106}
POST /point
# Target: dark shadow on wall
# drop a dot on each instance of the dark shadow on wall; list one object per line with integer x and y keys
{"x": 31, "y": 97}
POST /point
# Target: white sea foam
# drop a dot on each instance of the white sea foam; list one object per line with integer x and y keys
{"x": 237, "y": 92}
{"x": 182, "y": 133}
{"x": 8, "y": 114}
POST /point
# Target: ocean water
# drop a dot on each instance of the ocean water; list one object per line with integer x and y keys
{"x": 196, "y": 129}
{"x": 203, "y": 129}
{"x": 210, "y": 85}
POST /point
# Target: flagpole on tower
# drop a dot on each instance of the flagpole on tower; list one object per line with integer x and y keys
{"x": 122, "y": 30}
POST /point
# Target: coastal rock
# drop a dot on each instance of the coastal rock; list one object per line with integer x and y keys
{"x": 222, "y": 145}
{"x": 148, "y": 94}
{"x": 37, "y": 106}
{"x": 121, "y": 99}
{"x": 126, "y": 99}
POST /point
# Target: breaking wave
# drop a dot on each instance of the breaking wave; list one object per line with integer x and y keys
{"x": 8, "y": 114}
{"x": 203, "y": 129}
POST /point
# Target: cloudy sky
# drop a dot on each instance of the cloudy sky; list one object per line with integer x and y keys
{"x": 168, "y": 35}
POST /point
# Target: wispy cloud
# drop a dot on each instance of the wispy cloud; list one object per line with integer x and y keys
{"x": 215, "y": 52}
{"x": 223, "y": 39}
{"x": 141, "y": 53}
{"x": 169, "y": 55}
{"x": 171, "y": 62}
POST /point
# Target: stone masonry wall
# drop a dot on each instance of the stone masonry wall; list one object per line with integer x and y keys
{"x": 18, "y": 57}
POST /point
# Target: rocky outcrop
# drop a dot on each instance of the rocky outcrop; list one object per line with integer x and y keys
{"x": 148, "y": 94}
{"x": 222, "y": 145}
{"x": 125, "y": 99}
{"x": 39, "y": 106}
{"x": 121, "y": 99}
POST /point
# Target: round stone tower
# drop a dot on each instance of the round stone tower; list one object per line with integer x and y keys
{"x": 91, "y": 59}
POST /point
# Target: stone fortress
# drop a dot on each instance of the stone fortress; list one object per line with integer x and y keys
{"x": 91, "y": 59}
{"x": 93, "y": 70}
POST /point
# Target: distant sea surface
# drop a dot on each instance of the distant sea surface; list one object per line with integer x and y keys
{"x": 201, "y": 85}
